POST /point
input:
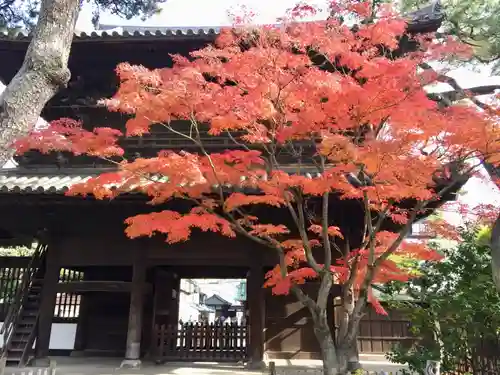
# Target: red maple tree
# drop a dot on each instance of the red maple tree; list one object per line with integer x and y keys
{"x": 322, "y": 116}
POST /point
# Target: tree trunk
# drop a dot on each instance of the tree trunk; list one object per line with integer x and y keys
{"x": 495, "y": 252}
{"x": 347, "y": 350}
{"x": 346, "y": 341}
{"x": 328, "y": 351}
{"x": 43, "y": 73}
{"x": 348, "y": 357}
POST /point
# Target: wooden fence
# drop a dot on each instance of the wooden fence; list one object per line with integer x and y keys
{"x": 379, "y": 333}
{"x": 200, "y": 342}
{"x": 292, "y": 370}
{"x": 482, "y": 359}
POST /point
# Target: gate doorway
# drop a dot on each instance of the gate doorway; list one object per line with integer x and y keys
{"x": 210, "y": 324}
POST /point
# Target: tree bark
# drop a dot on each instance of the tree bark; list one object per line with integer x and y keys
{"x": 347, "y": 350}
{"x": 495, "y": 252}
{"x": 348, "y": 357}
{"x": 43, "y": 73}
{"x": 328, "y": 351}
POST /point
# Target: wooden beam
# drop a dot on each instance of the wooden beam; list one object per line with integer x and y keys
{"x": 256, "y": 305}
{"x": 134, "y": 332}
{"x": 14, "y": 262}
{"x": 98, "y": 286}
{"x": 47, "y": 304}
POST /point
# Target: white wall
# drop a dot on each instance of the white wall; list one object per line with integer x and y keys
{"x": 62, "y": 336}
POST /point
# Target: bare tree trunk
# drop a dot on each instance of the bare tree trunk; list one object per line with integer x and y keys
{"x": 346, "y": 341}
{"x": 323, "y": 334}
{"x": 348, "y": 357}
{"x": 321, "y": 327}
{"x": 43, "y": 73}
{"x": 495, "y": 252}
{"x": 351, "y": 355}
{"x": 347, "y": 350}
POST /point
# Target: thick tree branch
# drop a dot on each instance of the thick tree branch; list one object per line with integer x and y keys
{"x": 324, "y": 225}
{"x": 43, "y": 73}
{"x": 302, "y": 227}
{"x": 460, "y": 93}
{"x": 325, "y": 275}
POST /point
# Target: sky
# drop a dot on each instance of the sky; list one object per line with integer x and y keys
{"x": 183, "y": 13}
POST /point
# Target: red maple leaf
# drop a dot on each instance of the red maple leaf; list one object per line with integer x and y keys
{"x": 318, "y": 114}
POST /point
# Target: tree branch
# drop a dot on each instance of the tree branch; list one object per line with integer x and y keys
{"x": 43, "y": 73}
{"x": 459, "y": 92}
{"x": 305, "y": 239}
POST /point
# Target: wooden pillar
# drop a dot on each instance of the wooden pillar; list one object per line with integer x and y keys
{"x": 81, "y": 327}
{"x": 47, "y": 304}
{"x": 82, "y": 324}
{"x": 166, "y": 296}
{"x": 256, "y": 307}
{"x": 133, "y": 348}
{"x": 174, "y": 300}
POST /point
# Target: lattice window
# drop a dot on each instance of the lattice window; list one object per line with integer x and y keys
{"x": 68, "y": 304}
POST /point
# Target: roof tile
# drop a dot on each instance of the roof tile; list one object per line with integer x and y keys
{"x": 122, "y": 33}
{"x": 33, "y": 182}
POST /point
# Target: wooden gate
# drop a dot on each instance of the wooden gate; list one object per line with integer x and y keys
{"x": 200, "y": 342}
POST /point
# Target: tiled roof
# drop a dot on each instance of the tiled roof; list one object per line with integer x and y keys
{"x": 128, "y": 33}
{"x": 54, "y": 181}
{"x": 37, "y": 182}
{"x": 58, "y": 181}
{"x": 431, "y": 15}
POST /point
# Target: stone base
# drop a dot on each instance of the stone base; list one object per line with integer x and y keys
{"x": 131, "y": 363}
{"x": 256, "y": 365}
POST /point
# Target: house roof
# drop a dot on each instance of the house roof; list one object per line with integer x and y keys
{"x": 115, "y": 33}
{"x": 216, "y": 300}
{"x": 51, "y": 181}
{"x": 421, "y": 19}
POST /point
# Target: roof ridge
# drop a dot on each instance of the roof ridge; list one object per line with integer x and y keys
{"x": 48, "y": 171}
{"x": 124, "y": 33}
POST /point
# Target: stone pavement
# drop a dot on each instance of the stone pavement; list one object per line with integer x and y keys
{"x": 111, "y": 366}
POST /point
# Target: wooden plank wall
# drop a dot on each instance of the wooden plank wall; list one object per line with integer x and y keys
{"x": 378, "y": 333}
{"x": 288, "y": 331}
